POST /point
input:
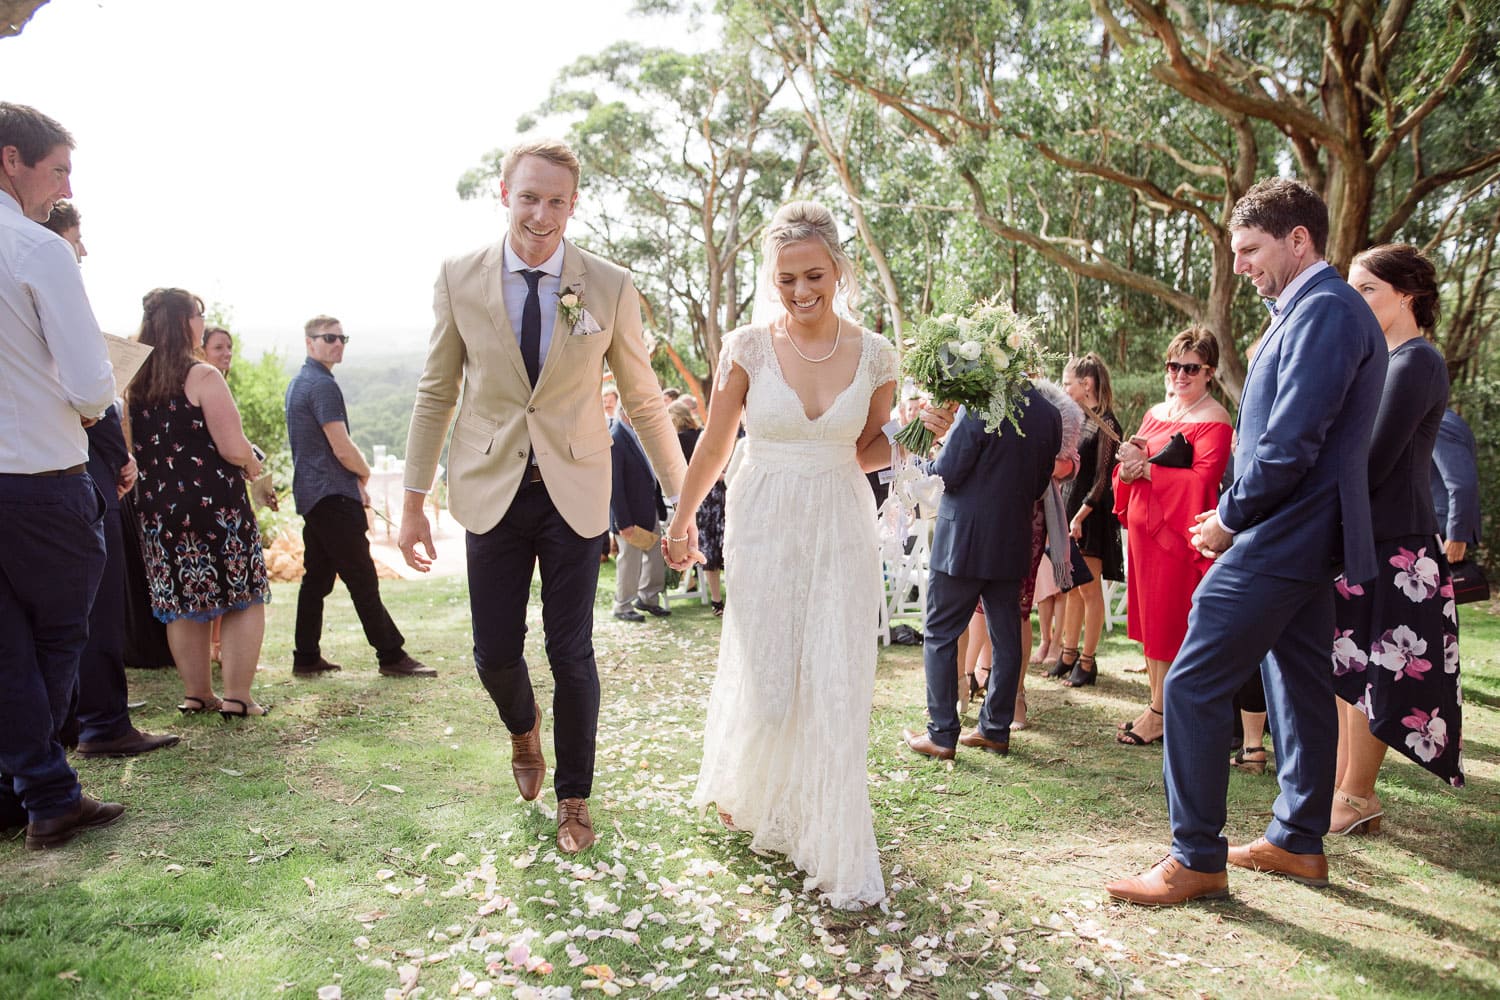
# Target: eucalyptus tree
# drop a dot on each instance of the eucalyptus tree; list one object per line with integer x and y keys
{"x": 1112, "y": 138}
{"x": 688, "y": 155}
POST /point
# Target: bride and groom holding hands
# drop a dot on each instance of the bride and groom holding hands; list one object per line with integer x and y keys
{"x": 523, "y": 329}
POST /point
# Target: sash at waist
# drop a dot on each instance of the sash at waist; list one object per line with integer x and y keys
{"x": 805, "y": 457}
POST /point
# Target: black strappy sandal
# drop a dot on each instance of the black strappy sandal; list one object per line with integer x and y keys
{"x": 1085, "y": 672}
{"x": 1064, "y": 666}
{"x": 193, "y": 705}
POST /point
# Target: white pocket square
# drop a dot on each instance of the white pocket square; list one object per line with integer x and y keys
{"x": 586, "y": 325}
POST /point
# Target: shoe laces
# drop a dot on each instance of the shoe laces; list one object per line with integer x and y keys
{"x": 575, "y": 811}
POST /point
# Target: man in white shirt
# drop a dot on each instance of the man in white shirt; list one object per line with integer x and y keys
{"x": 56, "y": 379}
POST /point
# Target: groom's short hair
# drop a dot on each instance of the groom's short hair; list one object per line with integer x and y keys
{"x": 1277, "y": 205}
{"x": 553, "y": 150}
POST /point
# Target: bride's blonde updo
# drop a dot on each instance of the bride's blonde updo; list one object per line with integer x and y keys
{"x": 795, "y": 222}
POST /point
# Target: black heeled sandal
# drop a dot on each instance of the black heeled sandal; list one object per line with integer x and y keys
{"x": 1064, "y": 666}
{"x": 1085, "y": 672}
{"x": 718, "y": 607}
{"x": 1131, "y": 738}
{"x": 193, "y": 705}
{"x": 244, "y": 712}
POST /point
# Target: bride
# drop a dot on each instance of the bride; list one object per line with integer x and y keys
{"x": 788, "y": 719}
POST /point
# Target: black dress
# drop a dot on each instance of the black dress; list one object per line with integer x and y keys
{"x": 1096, "y": 466}
{"x": 198, "y": 532}
{"x": 710, "y": 513}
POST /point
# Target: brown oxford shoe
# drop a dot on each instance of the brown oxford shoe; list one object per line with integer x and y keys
{"x": 973, "y": 739}
{"x": 1263, "y": 856}
{"x": 132, "y": 744}
{"x": 575, "y": 831}
{"x": 44, "y": 833}
{"x": 407, "y": 667}
{"x": 527, "y": 762}
{"x": 922, "y": 744}
{"x": 1168, "y": 883}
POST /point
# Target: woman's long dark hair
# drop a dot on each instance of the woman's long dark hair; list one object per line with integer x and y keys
{"x": 166, "y": 329}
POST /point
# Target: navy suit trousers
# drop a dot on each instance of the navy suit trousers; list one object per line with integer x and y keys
{"x": 950, "y": 604}
{"x": 501, "y": 562}
{"x": 51, "y": 559}
{"x": 103, "y": 693}
{"x": 1238, "y": 618}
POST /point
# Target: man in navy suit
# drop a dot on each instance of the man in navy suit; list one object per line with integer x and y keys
{"x": 981, "y": 550}
{"x": 1297, "y": 514}
{"x": 635, "y": 512}
{"x": 1455, "y": 485}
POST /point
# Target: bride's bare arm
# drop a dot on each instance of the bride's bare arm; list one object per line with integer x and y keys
{"x": 713, "y": 449}
{"x": 874, "y": 450}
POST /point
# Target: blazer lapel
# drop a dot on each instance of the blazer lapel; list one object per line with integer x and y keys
{"x": 1280, "y": 322}
{"x": 494, "y": 301}
{"x": 562, "y": 330}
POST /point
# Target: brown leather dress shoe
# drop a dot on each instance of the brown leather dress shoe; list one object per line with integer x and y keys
{"x": 132, "y": 744}
{"x": 1263, "y": 856}
{"x": 316, "y": 669}
{"x": 922, "y": 744}
{"x": 407, "y": 667}
{"x": 44, "y": 833}
{"x": 575, "y": 831}
{"x": 1168, "y": 883}
{"x": 973, "y": 739}
{"x": 526, "y": 760}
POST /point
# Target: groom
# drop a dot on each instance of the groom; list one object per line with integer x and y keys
{"x": 523, "y": 329}
{"x": 981, "y": 549}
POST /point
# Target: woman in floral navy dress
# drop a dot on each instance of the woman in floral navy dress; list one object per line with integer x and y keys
{"x": 198, "y": 532}
{"x": 1395, "y": 657}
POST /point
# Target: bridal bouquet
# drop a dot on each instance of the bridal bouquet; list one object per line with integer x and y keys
{"x": 983, "y": 361}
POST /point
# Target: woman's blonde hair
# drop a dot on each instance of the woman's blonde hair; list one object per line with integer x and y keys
{"x": 797, "y": 222}
{"x": 683, "y": 417}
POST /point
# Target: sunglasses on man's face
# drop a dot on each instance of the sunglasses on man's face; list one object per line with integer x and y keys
{"x": 1190, "y": 370}
{"x": 331, "y": 338}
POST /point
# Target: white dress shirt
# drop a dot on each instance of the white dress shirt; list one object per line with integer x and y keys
{"x": 1295, "y": 285}
{"x": 55, "y": 366}
{"x": 513, "y": 288}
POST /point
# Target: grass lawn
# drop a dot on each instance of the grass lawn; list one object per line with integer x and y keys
{"x": 367, "y": 837}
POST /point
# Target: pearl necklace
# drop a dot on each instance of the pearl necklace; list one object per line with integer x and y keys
{"x": 1171, "y": 418}
{"x": 838, "y": 332}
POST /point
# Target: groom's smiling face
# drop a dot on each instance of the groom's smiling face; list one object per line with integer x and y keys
{"x": 540, "y": 195}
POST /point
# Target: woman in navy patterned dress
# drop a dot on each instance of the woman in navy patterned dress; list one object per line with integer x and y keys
{"x": 198, "y": 532}
{"x": 1395, "y": 654}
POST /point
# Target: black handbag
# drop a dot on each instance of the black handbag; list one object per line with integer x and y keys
{"x": 1469, "y": 583}
{"x": 1177, "y": 453}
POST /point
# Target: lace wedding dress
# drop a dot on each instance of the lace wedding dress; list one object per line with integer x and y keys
{"x": 788, "y": 720}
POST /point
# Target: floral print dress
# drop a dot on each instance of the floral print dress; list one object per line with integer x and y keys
{"x": 199, "y": 536}
{"x": 1395, "y": 647}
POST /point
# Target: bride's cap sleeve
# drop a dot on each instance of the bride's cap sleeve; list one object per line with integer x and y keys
{"x": 742, "y": 348}
{"x": 886, "y": 366}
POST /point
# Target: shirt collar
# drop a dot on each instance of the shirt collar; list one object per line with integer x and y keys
{"x": 1289, "y": 293}
{"x": 552, "y": 265}
{"x": 9, "y": 202}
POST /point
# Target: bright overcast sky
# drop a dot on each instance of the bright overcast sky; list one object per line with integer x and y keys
{"x": 294, "y": 159}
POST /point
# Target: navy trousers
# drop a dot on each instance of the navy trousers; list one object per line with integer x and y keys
{"x": 1239, "y": 619}
{"x": 102, "y": 690}
{"x": 51, "y": 559}
{"x": 950, "y": 604}
{"x": 501, "y": 562}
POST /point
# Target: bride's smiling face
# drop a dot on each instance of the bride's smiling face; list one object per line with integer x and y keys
{"x": 806, "y": 279}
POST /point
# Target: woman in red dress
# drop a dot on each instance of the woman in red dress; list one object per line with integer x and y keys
{"x": 1157, "y": 503}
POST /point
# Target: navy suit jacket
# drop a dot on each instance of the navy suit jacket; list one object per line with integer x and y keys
{"x": 991, "y": 483}
{"x": 635, "y": 498}
{"x": 1300, "y": 502}
{"x": 1455, "y": 480}
{"x": 107, "y": 455}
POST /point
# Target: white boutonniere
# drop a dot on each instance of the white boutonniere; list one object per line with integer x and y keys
{"x": 570, "y": 304}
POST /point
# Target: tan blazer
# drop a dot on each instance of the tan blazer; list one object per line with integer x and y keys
{"x": 474, "y": 349}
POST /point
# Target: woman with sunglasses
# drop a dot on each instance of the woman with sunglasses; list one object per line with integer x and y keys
{"x": 1157, "y": 502}
{"x": 198, "y": 531}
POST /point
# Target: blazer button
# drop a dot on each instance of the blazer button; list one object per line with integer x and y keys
{"x": 531, "y": 409}
{"x": 520, "y": 454}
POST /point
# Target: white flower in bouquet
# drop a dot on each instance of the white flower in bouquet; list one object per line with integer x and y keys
{"x": 1015, "y": 340}
{"x": 969, "y": 350}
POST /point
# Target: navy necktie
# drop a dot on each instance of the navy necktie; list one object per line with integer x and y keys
{"x": 531, "y": 327}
